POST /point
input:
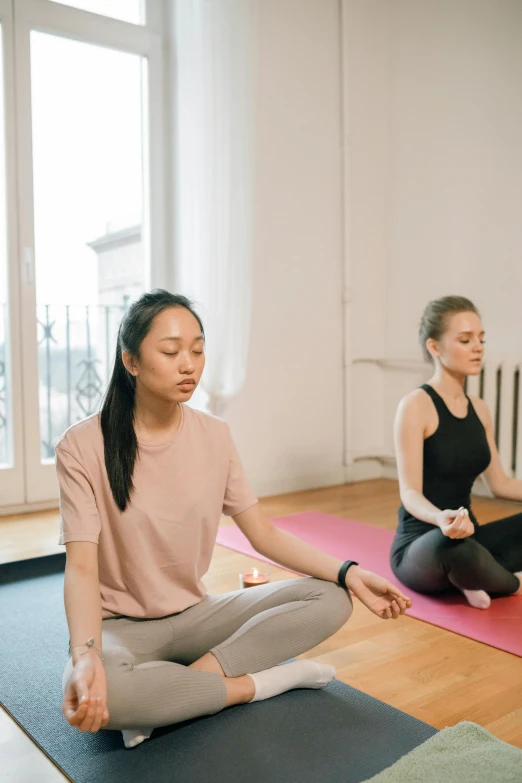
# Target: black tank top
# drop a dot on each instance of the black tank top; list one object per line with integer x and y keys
{"x": 454, "y": 456}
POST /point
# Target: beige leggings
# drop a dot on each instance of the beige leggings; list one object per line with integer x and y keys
{"x": 148, "y": 682}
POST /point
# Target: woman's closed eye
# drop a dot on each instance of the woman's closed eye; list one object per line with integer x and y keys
{"x": 169, "y": 353}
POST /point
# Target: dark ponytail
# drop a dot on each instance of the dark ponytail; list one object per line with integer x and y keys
{"x": 117, "y": 412}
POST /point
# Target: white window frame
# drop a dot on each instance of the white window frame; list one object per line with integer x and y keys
{"x": 23, "y": 17}
{"x": 12, "y": 483}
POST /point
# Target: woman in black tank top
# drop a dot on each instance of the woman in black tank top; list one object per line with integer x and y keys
{"x": 444, "y": 441}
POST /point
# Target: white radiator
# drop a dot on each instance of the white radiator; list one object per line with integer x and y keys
{"x": 499, "y": 385}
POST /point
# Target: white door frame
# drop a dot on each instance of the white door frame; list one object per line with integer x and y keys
{"x": 12, "y": 488}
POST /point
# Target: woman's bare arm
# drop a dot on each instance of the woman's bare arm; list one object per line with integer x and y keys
{"x": 85, "y": 697}
{"x": 377, "y": 594}
{"x": 409, "y": 429}
{"x": 82, "y": 595}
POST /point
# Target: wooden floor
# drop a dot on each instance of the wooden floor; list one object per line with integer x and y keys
{"x": 437, "y": 676}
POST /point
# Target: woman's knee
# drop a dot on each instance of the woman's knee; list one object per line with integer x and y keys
{"x": 335, "y": 602}
{"x": 452, "y": 551}
{"x": 118, "y": 665}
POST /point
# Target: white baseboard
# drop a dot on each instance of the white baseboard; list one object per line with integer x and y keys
{"x": 363, "y": 470}
{"x": 360, "y": 470}
{"x": 28, "y": 508}
{"x": 389, "y": 470}
{"x": 329, "y": 478}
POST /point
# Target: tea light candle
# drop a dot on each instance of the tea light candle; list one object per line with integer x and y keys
{"x": 253, "y": 578}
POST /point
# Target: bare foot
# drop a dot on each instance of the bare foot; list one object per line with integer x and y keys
{"x": 478, "y": 599}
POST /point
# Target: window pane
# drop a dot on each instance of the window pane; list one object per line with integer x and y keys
{"x": 6, "y": 424}
{"x": 126, "y": 10}
{"x": 88, "y": 205}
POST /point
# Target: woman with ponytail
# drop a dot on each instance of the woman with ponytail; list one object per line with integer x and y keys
{"x": 444, "y": 440}
{"x": 142, "y": 487}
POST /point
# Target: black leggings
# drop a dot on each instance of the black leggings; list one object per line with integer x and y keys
{"x": 486, "y": 560}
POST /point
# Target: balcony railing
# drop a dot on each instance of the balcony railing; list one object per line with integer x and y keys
{"x": 76, "y": 346}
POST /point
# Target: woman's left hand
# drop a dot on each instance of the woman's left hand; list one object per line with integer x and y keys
{"x": 380, "y": 596}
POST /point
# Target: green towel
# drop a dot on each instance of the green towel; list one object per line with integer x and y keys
{"x": 465, "y": 753}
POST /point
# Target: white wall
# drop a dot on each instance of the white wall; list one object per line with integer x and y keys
{"x": 450, "y": 84}
{"x": 288, "y": 419}
{"x": 431, "y": 124}
{"x": 457, "y": 163}
{"x": 366, "y": 57}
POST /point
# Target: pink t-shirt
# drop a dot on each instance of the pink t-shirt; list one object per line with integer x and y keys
{"x": 152, "y": 556}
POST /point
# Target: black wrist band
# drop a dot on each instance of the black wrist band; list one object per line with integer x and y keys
{"x": 341, "y": 576}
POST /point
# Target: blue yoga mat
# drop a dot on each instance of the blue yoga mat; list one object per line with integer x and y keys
{"x": 335, "y": 735}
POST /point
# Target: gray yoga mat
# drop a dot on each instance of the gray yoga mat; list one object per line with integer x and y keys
{"x": 335, "y": 735}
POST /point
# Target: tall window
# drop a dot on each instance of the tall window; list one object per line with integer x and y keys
{"x": 88, "y": 143}
{"x": 87, "y": 113}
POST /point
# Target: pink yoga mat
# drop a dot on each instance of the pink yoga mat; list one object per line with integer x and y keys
{"x": 499, "y": 626}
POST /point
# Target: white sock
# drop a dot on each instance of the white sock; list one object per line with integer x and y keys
{"x": 478, "y": 599}
{"x": 133, "y": 737}
{"x": 518, "y": 574}
{"x": 297, "y": 674}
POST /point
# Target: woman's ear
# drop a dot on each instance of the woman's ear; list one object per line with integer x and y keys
{"x": 433, "y": 347}
{"x": 130, "y": 363}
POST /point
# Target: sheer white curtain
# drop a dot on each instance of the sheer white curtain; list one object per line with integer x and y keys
{"x": 214, "y": 180}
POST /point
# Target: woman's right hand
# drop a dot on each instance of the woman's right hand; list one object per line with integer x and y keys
{"x": 455, "y": 524}
{"x": 85, "y": 700}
